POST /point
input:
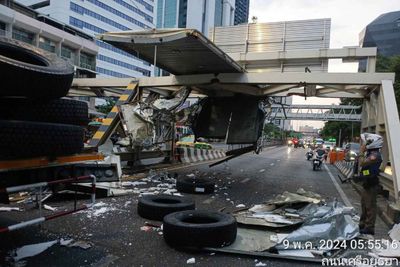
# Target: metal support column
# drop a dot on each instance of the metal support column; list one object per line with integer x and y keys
{"x": 392, "y": 124}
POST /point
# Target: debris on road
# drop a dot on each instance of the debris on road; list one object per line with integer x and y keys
{"x": 302, "y": 218}
{"x": 395, "y": 232}
{"x": 260, "y": 263}
{"x": 191, "y": 261}
{"x": 3, "y": 209}
{"x": 99, "y": 209}
{"x": 80, "y": 244}
{"x": 47, "y": 207}
{"x": 240, "y": 206}
{"x": 32, "y": 250}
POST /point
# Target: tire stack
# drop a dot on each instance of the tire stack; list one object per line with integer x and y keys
{"x": 35, "y": 120}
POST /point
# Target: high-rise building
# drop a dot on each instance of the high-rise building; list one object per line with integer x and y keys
{"x": 195, "y": 14}
{"x": 29, "y": 26}
{"x": 242, "y": 11}
{"x": 98, "y": 16}
{"x": 383, "y": 33}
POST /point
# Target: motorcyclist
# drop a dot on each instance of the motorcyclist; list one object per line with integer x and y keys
{"x": 370, "y": 160}
{"x": 320, "y": 151}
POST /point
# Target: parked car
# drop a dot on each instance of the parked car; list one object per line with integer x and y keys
{"x": 351, "y": 151}
{"x": 188, "y": 141}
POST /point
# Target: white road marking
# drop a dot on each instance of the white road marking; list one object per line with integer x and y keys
{"x": 245, "y": 180}
{"x": 339, "y": 189}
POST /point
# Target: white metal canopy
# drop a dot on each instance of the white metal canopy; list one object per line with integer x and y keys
{"x": 178, "y": 51}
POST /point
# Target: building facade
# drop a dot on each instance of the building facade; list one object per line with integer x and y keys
{"x": 242, "y": 11}
{"x": 383, "y": 33}
{"x": 26, "y": 25}
{"x": 98, "y": 16}
{"x": 195, "y": 14}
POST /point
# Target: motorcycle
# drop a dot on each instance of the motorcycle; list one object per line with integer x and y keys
{"x": 309, "y": 155}
{"x": 317, "y": 162}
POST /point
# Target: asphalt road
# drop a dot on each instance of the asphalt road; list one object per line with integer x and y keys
{"x": 118, "y": 240}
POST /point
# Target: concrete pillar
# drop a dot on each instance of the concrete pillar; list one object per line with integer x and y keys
{"x": 9, "y": 29}
{"x": 58, "y": 48}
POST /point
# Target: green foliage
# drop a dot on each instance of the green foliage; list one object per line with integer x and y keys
{"x": 106, "y": 108}
{"x": 332, "y": 128}
{"x": 272, "y": 131}
{"x": 391, "y": 64}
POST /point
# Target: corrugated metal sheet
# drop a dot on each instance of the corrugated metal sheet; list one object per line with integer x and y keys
{"x": 276, "y": 36}
{"x": 178, "y": 51}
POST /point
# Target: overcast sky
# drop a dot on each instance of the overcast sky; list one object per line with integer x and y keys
{"x": 349, "y": 18}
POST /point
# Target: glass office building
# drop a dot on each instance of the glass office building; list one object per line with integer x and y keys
{"x": 98, "y": 16}
{"x": 383, "y": 33}
{"x": 241, "y": 11}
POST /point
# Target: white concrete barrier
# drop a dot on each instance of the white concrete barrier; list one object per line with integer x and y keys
{"x": 346, "y": 168}
{"x": 191, "y": 155}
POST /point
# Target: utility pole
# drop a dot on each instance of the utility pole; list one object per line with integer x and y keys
{"x": 340, "y": 135}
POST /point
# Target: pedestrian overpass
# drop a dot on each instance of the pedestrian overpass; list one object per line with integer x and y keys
{"x": 316, "y": 112}
{"x": 198, "y": 64}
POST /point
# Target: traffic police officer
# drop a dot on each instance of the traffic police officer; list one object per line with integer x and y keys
{"x": 370, "y": 160}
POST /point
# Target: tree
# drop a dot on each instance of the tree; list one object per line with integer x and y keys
{"x": 106, "y": 108}
{"x": 391, "y": 64}
{"x": 349, "y": 130}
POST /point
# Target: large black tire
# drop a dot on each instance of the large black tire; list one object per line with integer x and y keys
{"x": 195, "y": 186}
{"x": 64, "y": 111}
{"x": 157, "y": 206}
{"x": 199, "y": 229}
{"x": 22, "y": 139}
{"x": 28, "y": 71}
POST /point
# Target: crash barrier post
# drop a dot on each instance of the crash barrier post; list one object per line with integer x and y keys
{"x": 345, "y": 167}
{"x": 191, "y": 155}
{"x": 40, "y": 185}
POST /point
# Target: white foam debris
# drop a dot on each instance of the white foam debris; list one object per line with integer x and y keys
{"x": 127, "y": 203}
{"x": 66, "y": 242}
{"x": 191, "y": 261}
{"x": 262, "y": 170}
{"x": 98, "y": 209}
{"x": 47, "y": 207}
{"x": 32, "y": 250}
{"x": 260, "y": 263}
{"x": 10, "y": 209}
{"x": 190, "y": 175}
{"x": 136, "y": 183}
{"x": 240, "y": 206}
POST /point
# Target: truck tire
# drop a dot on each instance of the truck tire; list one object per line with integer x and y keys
{"x": 28, "y": 71}
{"x": 157, "y": 206}
{"x": 23, "y": 139}
{"x": 64, "y": 111}
{"x": 195, "y": 228}
{"x": 195, "y": 186}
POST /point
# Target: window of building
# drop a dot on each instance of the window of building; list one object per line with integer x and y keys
{"x": 170, "y": 14}
{"x": 218, "y": 12}
{"x": 87, "y": 61}
{"x": 22, "y": 35}
{"x": 66, "y": 52}
{"x": 47, "y": 44}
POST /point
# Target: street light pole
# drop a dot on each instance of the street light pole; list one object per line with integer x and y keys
{"x": 340, "y": 135}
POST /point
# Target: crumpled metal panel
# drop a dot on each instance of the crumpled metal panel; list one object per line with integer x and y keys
{"x": 330, "y": 222}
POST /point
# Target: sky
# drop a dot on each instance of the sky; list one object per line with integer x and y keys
{"x": 348, "y": 19}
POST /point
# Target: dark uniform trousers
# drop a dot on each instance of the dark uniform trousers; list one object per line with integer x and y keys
{"x": 368, "y": 207}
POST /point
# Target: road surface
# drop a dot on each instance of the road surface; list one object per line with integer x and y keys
{"x": 118, "y": 240}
